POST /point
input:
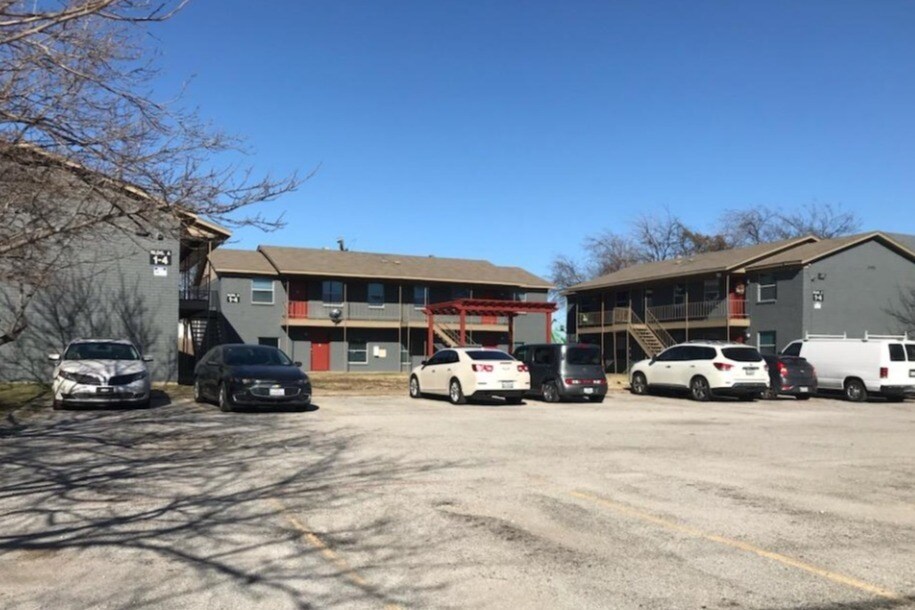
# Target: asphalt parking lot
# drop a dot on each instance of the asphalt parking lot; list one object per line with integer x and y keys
{"x": 387, "y": 502}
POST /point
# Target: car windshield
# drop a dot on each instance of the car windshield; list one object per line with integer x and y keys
{"x": 245, "y": 355}
{"x": 101, "y": 350}
{"x": 583, "y": 355}
{"x": 742, "y": 354}
{"x": 489, "y": 355}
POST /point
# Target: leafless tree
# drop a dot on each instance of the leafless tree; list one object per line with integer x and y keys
{"x": 764, "y": 224}
{"x": 904, "y": 311}
{"x": 661, "y": 236}
{"x": 83, "y": 145}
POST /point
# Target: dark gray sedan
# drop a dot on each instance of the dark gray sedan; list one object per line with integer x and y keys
{"x": 239, "y": 375}
{"x": 790, "y": 376}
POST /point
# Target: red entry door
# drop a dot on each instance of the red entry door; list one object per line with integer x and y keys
{"x": 320, "y": 356}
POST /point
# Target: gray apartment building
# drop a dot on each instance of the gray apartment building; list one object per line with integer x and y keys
{"x": 339, "y": 310}
{"x": 766, "y": 295}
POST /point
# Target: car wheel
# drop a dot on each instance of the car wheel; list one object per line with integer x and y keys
{"x": 550, "y": 392}
{"x": 455, "y": 393}
{"x": 699, "y": 389}
{"x": 595, "y": 398}
{"x": 414, "y": 387}
{"x": 198, "y": 392}
{"x": 638, "y": 385}
{"x": 224, "y": 404}
{"x": 855, "y": 390}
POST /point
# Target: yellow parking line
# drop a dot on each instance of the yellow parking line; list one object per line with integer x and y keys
{"x": 743, "y": 546}
{"x": 345, "y": 569}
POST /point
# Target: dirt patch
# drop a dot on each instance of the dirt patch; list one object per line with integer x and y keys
{"x": 358, "y": 384}
{"x": 18, "y": 395}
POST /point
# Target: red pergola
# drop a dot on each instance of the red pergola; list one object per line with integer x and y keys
{"x": 486, "y": 307}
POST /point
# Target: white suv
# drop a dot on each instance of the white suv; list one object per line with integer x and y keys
{"x": 706, "y": 369}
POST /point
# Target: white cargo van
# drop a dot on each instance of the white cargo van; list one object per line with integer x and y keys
{"x": 883, "y": 365}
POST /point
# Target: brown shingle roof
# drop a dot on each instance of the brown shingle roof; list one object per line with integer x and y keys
{"x": 709, "y": 262}
{"x": 809, "y": 253}
{"x": 224, "y": 260}
{"x": 337, "y": 263}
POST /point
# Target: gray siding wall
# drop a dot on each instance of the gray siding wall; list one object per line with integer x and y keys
{"x": 784, "y": 315}
{"x": 246, "y": 320}
{"x": 111, "y": 294}
{"x": 531, "y": 327}
{"x": 861, "y": 286}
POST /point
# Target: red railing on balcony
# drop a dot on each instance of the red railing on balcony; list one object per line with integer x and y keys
{"x": 298, "y": 309}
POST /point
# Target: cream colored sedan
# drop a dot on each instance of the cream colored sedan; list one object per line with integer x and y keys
{"x": 471, "y": 372}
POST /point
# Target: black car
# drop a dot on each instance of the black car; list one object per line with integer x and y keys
{"x": 560, "y": 371}
{"x": 791, "y": 376}
{"x": 250, "y": 375}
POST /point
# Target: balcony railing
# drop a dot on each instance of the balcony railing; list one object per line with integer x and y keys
{"x": 194, "y": 293}
{"x": 680, "y": 312}
{"x": 390, "y": 312}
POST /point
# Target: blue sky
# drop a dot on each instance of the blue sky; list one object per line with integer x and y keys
{"x": 510, "y": 130}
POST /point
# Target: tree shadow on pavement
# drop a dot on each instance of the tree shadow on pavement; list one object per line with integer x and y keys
{"x": 182, "y": 507}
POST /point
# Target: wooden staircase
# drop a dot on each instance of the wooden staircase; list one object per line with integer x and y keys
{"x": 449, "y": 336}
{"x": 651, "y": 336}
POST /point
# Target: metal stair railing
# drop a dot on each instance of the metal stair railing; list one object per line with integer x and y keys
{"x": 658, "y": 329}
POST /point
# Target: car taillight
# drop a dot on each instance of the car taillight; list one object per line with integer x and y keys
{"x": 884, "y": 372}
{"x": 601, "y": 381}
{"x": 573, "y": 381}
{"x": 782, "y": 370}
{"x": 482, "y": 368}
{"x": 522, "y": 368}
{"x": 723, "y": 366}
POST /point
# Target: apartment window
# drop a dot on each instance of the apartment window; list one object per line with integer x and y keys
{"x": 420, "y": 296}
{"x": 711, "y": 290}
{"x": 376, "y": 295}
{"x": 262, "y": 291}
{"x": 768, "y": 290}
{"x": 679, "y": 294}
{"x": 332, "y": 292}
{"x": 269, "y": 341}
{"x": 649, "y": 297}
{"x": 358, "y": 352}
{"x": 765, "y": 341}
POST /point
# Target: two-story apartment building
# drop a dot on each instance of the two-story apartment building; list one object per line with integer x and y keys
{"x": 767, "y": 295}
{"x": 340, "y": 310}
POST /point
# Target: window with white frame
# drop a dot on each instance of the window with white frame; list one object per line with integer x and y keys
{"x": 768, "y": 289}
{"x": 711, "y": 289}
{"x": 765, "y": 341}
{"x": 679, "y": 294}
{"x": 332, "y": 292}
{"x": 357, "y": 352}
{"x": 261, "y": 291}
{"x": 420, "y": 296}
{"x": 376, "y": 295}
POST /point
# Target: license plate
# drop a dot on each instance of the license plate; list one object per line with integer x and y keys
{"x": 588, "y": 390}
{"x": 104, "y": 390}
{"x": 277, "y": 392}
{"x": 507, "y": 385}
{"x": 750, "y": 371}
{"x": 803, "y": 389}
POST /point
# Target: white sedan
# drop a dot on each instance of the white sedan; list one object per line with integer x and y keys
{"x": 471, "y": 372}
{"x": 99, "y": 372}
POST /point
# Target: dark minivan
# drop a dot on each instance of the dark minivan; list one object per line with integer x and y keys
{"x": 561, "y": 371}
{"x": 791, "y": 376}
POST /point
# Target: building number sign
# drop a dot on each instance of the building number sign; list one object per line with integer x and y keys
{"x": 817, "y": 296}
{"x": 160, "y": 257}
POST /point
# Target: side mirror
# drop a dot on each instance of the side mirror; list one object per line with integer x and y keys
{"x": 423, "y": 363}
{"x": 54, "y": 357}
{"x": 653, "y": 360}
{"x": 147, "y": 358}
{"x": 297, "y": 363}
